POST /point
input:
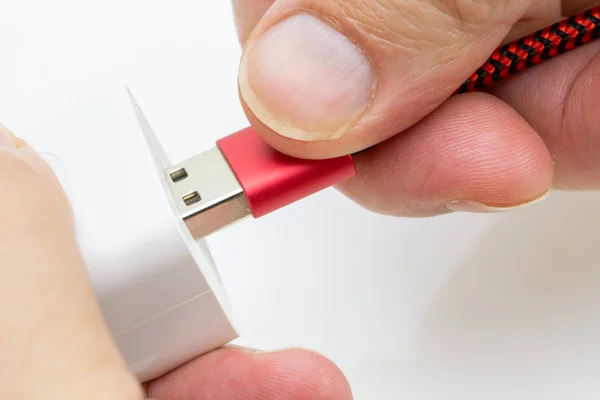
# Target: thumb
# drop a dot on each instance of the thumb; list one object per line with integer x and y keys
{"x": 325, "y": 78}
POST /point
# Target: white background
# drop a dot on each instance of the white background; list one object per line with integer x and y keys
{"x": 458, "y": 307}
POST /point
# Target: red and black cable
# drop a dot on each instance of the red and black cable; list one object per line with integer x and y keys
{"x": 535, "y": 48}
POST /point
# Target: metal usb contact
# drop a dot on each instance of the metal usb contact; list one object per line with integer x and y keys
{"x": 207, "y": 193}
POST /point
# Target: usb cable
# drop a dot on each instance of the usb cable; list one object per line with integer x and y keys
{"x": 243, "y": 176}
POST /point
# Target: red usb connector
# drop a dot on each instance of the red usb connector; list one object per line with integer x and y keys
{"x": 243, "y": 176}
{"x": 271, "y": 179}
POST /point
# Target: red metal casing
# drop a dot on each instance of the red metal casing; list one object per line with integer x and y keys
{"x": 271, "y": 179}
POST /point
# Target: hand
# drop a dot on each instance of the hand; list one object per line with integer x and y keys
{"x": 322, "y": 78}
{"x": 54, "y": 344}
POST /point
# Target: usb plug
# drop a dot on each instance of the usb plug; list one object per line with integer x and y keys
{"x": 243, "y": 176}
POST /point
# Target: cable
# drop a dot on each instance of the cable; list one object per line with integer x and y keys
{"x": 535, "y": 48}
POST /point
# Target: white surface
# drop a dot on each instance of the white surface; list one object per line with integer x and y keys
{"x": 460, "y": 307}
{"x": 158, "y": 289}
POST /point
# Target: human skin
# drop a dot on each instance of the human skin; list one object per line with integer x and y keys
{"x": 428, "y": 154}
{"x": 324, "y": 78}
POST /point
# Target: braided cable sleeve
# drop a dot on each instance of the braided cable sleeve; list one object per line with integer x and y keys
{"x": 535, "y": 48}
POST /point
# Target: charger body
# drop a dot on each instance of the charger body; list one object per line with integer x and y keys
{"x": 158, "y": 288}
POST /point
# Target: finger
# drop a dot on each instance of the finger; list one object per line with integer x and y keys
{"x": 473, "y": 154}
{"x": 571, "y": 7}
{"x": 541, "y": 13}
{"x": 233, "y": 374}
{"x": 560, "y": 100}
{"x": 247, "y": 13}
{"x": 324, "y": 78}
{"x": 54, "y": 343}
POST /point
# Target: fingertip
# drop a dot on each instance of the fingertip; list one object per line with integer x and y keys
{"x": 559, "y": 99}
{"x": 7, "y": 138}
{"x": 301, "y": 149}
{"x": 473, "y": 154}
{"x": 229, "y": 374}
{"x": 322, "y": 378}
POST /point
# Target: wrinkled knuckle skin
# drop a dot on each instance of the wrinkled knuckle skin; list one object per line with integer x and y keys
{"x": 416, "y": 20}
{"x": 415, "y": 27}
{"x": 424, "y": 27}
{"x": 480, "y": 14}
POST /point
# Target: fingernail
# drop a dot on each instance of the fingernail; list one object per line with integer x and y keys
{"x": 306, "y": 80}
{"x": 7, "y": 138}
{"x": 480, "y": 208}
{"x": 21, "y": 143}
{"x": 244, "y": 348}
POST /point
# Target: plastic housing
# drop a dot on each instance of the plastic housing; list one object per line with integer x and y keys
{"x": 158, "y": 289}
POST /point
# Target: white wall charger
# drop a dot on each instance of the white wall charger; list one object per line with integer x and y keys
{"x": 158, "y": 288}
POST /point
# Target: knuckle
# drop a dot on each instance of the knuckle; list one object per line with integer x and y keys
{"x": 481, "y": 13}
{"x": 421, "y": 25}
{"x": 408, "y": 25}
